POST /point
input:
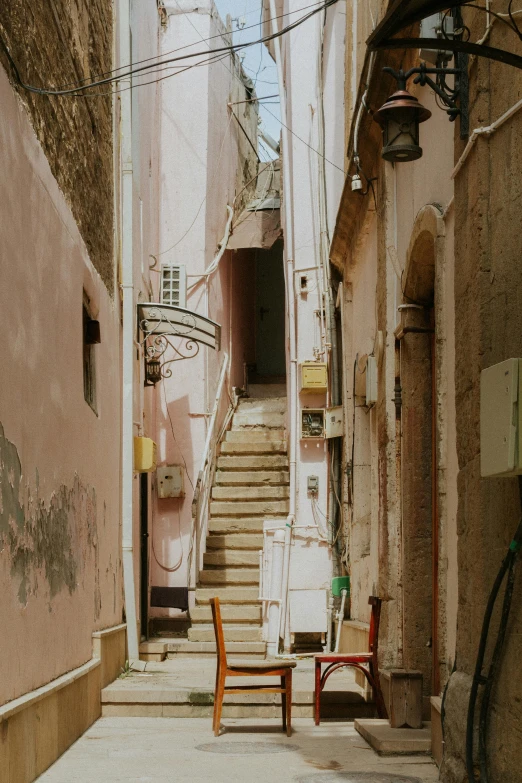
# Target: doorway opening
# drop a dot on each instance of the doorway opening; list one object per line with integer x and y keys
{"x": 269, "y": 366}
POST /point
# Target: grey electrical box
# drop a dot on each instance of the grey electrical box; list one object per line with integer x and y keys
{"x": 312, "y": 423}
{"x": 334, "y": 422}
{"x": 169, "y": 480}
{"x": 313, "y": 484}
{"x": 436, "y": 26}
{"x": 501, "y": 419}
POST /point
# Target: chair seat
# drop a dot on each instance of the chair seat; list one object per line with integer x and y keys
{"x": 270, "y": 664}
{"x": 332, "y": 657}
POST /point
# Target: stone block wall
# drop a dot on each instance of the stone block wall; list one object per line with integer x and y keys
{"x": 55, "y": 44}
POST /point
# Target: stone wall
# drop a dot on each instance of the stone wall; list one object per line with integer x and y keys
{"x": 58, "y": 43}
{"x": 488, "y": 327}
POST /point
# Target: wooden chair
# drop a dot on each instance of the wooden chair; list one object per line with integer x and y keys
{"x": 366, "y": 662}
{"x": 282, "y": 669}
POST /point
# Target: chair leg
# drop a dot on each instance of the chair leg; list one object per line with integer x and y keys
{"x": 288, "y": 699}
{"x": 218, "y": 700}
{"x": 317, "y": 693}
{"x": 283, "y": 699}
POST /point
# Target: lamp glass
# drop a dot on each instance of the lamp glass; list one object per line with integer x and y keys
{"x": 401, "y": 134}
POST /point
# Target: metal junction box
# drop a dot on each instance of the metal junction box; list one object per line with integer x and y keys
{"x": 314, "y": 377}
{"x": 312, "y": 423}
{"x": 501, "y": 419}
{"x": 169, "y": 481}
{"x": 334, "y": 422}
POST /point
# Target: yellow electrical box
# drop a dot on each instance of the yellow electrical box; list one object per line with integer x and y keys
{"x": 314, "y": 377}
{"x": 144, "y": 455}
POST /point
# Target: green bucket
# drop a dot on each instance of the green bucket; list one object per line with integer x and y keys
{"x": 340, "y": 583}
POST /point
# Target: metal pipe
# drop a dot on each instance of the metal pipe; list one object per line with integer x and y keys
{"x": 290, "y": 297}
{"x": 128, "y": 329}
{"x": 276, "y": 594}
{"x": 340, "y": 618}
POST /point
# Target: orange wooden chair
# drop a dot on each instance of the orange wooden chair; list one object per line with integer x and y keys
{"x": 282, "y": 669}
{"x": 365, "y": 662}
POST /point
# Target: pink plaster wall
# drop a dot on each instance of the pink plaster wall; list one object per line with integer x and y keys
{"x": 60, "y": 571}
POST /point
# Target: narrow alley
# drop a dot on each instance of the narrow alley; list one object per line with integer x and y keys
{"x": 261, "y": 391}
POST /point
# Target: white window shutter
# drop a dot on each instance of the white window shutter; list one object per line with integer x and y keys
{"x": 173, "y": 285}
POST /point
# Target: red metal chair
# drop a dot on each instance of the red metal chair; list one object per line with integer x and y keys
{"x": 366, "y": 663}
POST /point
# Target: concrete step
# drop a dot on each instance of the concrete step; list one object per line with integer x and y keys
{"x": 250, "y": 493}
{"x": 233, "y": 633}
{"x": 262, "y": 404}
{"x": 252, "y": 477}
{"x": 244, "y": 613}
{"x": 223, "y": 525}
{"x": 265, "y": 390}
{"x": 231, "y": 557}
{"x": 229, "y": 576}
{"x": 183, "y": 647}
{"x": 227, "y": 595}
{"x": 123, "y": 698}
{"x": 254, "y": 447}
{"x": 265, "y": 508}
{"x": 235, "y": 541}
{"x": 259, "y": 418}
{"x": 260, "y": 462}
{"x": 261, "y": 434}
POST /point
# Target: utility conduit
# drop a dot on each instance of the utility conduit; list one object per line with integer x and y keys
{"x": 487, "y": 130}
{"x": 290, "y": 298}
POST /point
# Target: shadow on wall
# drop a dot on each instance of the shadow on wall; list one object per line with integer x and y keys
{"x": 173, "y": 518}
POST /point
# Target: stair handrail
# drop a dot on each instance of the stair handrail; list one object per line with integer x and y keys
{"x": 201, "y": 497}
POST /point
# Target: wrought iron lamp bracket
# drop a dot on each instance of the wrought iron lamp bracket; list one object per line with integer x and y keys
{"x": 455, "y": 99}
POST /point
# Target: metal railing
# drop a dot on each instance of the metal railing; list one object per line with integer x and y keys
{"x": 202, "y": 491}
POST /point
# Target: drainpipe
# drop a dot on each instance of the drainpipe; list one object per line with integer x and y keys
{"x": 290, "y": 299}
{"x": 128, "y": 328}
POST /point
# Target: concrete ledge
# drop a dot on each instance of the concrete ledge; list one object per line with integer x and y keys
{"x": 153, "y": 651}
{"x": 36, "y": 728}
{"x": 394, "y": 742}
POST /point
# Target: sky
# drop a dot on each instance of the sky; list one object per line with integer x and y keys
{"x": 257, "y": 62}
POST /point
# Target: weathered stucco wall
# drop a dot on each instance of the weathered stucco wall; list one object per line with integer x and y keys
{"x": 60, "y": 574}
{"x": 60, "y": 43}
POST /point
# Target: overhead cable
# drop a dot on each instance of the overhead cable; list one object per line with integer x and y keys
{"x": 143, "y": 69}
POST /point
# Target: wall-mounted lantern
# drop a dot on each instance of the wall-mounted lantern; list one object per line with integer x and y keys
{"x": 174, "y": 332}
{"x": 152, "y": 371}
{"x": 399, "y": 119}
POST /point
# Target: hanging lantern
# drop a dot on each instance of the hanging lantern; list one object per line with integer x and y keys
{"x": 399, "y": 119}
{"x": 152, "y": 372}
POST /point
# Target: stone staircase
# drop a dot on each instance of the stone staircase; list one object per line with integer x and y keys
{"x": 251, "y": 484}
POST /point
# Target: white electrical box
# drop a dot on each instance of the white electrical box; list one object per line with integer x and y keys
{"x": 501, "y": 419}
{"x": 334, "y": 422}
{"x": 312, "y": 423}
{"x": 169, "y": 481}
{"x": 308, "y": 611}
{"x": 436, "y": 26}
{"x": 371, "y": 381}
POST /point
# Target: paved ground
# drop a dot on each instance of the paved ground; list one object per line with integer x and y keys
{"x": 175, "y": 750}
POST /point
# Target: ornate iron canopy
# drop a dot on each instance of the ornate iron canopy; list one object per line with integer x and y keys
{"x": 403, "y": 13}
{"x": 160, "y": 324}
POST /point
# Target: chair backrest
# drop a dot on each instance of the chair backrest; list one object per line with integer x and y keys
{"x": 218, "y": 630}
{"x": 373, "y": 640}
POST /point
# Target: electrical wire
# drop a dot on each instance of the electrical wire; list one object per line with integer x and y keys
{"x": 170, "y": 569}
{"x": 302, "y": 140}
{"x": 81, "y": 87}
{"x": 174, "y": 436}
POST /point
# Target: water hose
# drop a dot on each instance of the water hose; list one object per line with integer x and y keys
{"x": 507, "y": 567}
